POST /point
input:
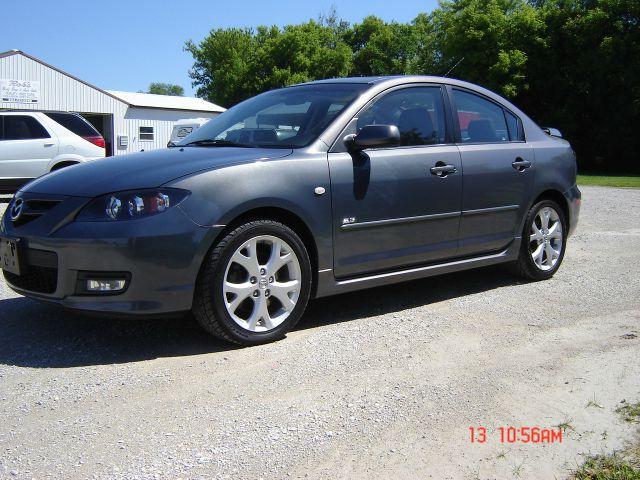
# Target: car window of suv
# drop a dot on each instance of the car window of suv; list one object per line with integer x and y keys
{"x": 480, "y": 120}
{"x": 418, "y": 112}
{"x": 22, "y": 127}
{"x": 74, "y": 123}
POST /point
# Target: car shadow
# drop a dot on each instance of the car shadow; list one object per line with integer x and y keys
{"x": 41, "y": 335}
{"x": 404, "y": 296}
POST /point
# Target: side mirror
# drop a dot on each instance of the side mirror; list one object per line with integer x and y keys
{"x": 373, "y": 136}
{"x": 554, "y": 132}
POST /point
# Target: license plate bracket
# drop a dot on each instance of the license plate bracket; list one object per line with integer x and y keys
{"x": 10, "y": 255}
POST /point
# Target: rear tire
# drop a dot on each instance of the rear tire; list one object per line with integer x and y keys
{"x": 254, "y": 285}
{"x": 543, "y": 242}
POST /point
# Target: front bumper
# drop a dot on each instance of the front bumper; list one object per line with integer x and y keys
{"x": 162, "y": 255}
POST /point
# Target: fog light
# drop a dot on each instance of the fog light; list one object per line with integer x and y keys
{"x": 106, "y": 285}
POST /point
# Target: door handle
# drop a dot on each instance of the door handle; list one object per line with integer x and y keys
{"x": 442, "y": 170}
{"x": 51, "y": 144}
{"x": 520, "y": 164}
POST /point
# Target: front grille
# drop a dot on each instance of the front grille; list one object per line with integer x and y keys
{"x": 39, "y": 273}
{"x": 35, "y": 279}
{"x": 34, "y": 209}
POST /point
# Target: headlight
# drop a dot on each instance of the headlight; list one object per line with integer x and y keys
{"x": 131, "y": 205}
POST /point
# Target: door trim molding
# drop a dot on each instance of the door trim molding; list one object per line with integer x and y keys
{"x": 393, "y": 221}
{"x": 490, "y": 210}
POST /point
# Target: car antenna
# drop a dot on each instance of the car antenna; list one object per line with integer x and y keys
{"x": 452, "y": 68}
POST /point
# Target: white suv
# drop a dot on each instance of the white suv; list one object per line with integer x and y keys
{"x": 35, "y": 143}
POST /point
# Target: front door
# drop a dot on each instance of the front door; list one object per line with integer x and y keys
{"x": 390, "y": 210}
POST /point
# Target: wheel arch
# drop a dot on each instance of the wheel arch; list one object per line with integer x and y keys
{"x": 62, "y": 164}
{"x": 287, "y": 218}
{"x": 64, "y": 160}
{"x": 557, "y": 197}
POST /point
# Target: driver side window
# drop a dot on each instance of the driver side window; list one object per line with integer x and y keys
{"x": 418, "y": 112}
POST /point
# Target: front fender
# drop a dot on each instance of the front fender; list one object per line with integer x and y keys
{"x": 220, "y": 196}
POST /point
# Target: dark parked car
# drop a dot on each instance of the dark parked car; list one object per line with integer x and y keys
{"x": 302, "y": 192}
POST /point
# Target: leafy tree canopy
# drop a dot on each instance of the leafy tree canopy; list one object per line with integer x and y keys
{"x": 571, "y": 64}
{"x": 166, "y": 89}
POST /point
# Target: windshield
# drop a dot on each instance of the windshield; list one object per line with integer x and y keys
{"x": 291, "y": 117}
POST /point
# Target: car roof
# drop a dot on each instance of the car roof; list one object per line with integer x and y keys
{"x": 382, "y": 82}
{"x": 372, "y": 80}
{"x": 363, "y": 80}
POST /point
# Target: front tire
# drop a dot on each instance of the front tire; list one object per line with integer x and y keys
{"x": 255, "y": 284}
{"x": 543, "y": 241}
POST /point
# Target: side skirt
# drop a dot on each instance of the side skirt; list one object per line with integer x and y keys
{"x": 329, "y": 285}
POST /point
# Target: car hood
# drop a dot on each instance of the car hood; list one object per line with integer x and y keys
{"x": 144, "y": 169}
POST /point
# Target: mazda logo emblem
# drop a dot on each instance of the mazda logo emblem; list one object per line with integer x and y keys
{"x": 16, "y": 210}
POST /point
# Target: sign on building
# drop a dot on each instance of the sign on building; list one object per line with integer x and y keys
{"x": 19, "y": 91}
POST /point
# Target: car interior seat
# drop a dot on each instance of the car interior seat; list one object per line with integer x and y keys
{"x": 416, "y": 127}
{"x": 481, "y": 130}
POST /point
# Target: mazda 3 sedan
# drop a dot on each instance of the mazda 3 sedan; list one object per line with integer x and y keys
{"x": 298, "y": 193}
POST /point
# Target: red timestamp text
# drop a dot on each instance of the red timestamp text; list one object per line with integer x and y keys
{"x": 517, "y": 435}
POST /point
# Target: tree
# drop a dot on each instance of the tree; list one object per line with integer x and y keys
{"x": 486, "y": 41}
{"x": 166, "y": 89}
{"x": 381, "y": 48}
{"x": 570, "y": 64}
{"x": 222, "y": 65}
{"x": 301, "y": 53}
{"x": 234, "y": 64}
{"x": 585, "y": 80}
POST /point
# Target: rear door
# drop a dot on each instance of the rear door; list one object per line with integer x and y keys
{"x": 498, "y": 170}
{"x": 26, "y": 147}
{"x": 389, "y": 210}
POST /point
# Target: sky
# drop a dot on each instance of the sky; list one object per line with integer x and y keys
{"x": 126, "y": 45}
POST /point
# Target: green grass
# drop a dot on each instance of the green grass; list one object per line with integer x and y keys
{"x": 624, "y": 466}
{"x": 630, "y": 412}
{"x": 626, "y": 181}
{"x": 609, "y": 467}
{"x": 566, "y": 425}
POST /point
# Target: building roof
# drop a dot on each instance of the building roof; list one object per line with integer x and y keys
{"x": 10, "y": 53}
{"x": 168, "y": 102}
{"x": 146, "y": 100}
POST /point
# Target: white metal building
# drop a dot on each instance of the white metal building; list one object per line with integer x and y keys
{"x": 129, "y": 122}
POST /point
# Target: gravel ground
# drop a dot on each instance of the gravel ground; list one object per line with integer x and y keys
{"x": 381, "y": 384}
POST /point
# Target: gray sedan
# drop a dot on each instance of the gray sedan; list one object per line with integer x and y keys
{"x": 298, "y": 193}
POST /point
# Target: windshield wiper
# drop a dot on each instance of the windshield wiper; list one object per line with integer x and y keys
{"x": 218, "y": 143}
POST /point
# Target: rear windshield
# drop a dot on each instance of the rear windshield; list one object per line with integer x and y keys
{"x": 291, "y": 117}
{"x": 75, "y": 123}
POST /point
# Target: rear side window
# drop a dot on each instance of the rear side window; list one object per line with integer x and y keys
{"x": 22, "y": 127}
{"x": 516, "y": 133}
{"x": 480, "y": 120}
{"x": 74, "y": 123}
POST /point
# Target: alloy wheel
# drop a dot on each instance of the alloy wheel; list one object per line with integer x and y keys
{"x": 262, "y": 283}
{"x": 545, "y": 238}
